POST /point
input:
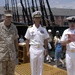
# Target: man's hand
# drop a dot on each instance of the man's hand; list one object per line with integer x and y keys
{"x": 68, "y": 41}
{"x": 45, "y": 52}
{"x": 17, "y": 54}
{"x": 28, "y": 53}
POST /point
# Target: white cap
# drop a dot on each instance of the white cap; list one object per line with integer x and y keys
{"x": 36, "y": 14}
{"x": 49, "y": 30}
{"x": 57, "y": 31}
{"x": 71, "y": 19}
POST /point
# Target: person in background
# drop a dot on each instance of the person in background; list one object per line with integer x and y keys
{"x": 68, "y": 39}
{"x": 50, "y": 45}
{"x": 8, "y": 45}
{"x": 58, "y": 48}
{"x": 21, "y": 39}
{"x": 36, "y": 44}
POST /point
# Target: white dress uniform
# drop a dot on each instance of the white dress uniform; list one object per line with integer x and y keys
{"x": 70, "y": 52}
{"x": 36, "y": 37}
{"x": 70, "y": 48}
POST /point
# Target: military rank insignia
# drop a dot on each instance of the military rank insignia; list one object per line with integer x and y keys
{"x": 42, "y": 31}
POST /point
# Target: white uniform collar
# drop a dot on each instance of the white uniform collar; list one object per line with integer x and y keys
{"x": 36, "y": 27}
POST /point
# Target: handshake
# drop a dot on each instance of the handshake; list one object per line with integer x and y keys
{"x": 71, "y": 37}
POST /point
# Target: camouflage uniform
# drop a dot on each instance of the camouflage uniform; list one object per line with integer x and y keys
{"x": 7, "y": 49}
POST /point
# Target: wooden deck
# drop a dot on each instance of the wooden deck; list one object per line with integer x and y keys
{"x": 24, "y": 69}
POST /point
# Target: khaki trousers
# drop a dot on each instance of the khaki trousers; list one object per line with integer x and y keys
{"x": 7, "y": 67}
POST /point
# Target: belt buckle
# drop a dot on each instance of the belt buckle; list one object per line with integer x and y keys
{"x": 38, "y": 46}
{"x": 72, "y": 50}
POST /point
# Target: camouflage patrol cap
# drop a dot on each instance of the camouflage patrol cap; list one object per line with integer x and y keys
{"x": 36, "y": 14}
{"x": 71, "y": 19}
{"x": 8, "y": 13}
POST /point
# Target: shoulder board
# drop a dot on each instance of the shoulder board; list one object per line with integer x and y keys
{"x": 29, "y": 26}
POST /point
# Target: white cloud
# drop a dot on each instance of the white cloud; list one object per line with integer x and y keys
{"x": 53, "y": 3}
{"x": 19, "y": 4}
{"x": 71, "y": 5}
{"x": 57, "y": 4}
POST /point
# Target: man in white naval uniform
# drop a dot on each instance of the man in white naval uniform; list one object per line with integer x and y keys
{"x": 68, "y": 39}
{"x": 36, "y": 37}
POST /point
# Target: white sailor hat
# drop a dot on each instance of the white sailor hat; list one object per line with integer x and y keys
{"x": 71, "y": 19}
{"x": 8, "y": 13}
{"x": 36, "y": 14}
{"x": 49, "y": 30}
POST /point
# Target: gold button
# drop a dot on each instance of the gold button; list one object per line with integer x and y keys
{"x": 38, "y": 46}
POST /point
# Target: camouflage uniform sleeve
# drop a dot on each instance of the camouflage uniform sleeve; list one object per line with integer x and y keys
{"x": 16, "y": 33}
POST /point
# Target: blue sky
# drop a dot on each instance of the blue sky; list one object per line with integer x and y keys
{"x": 53, "y": 3}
